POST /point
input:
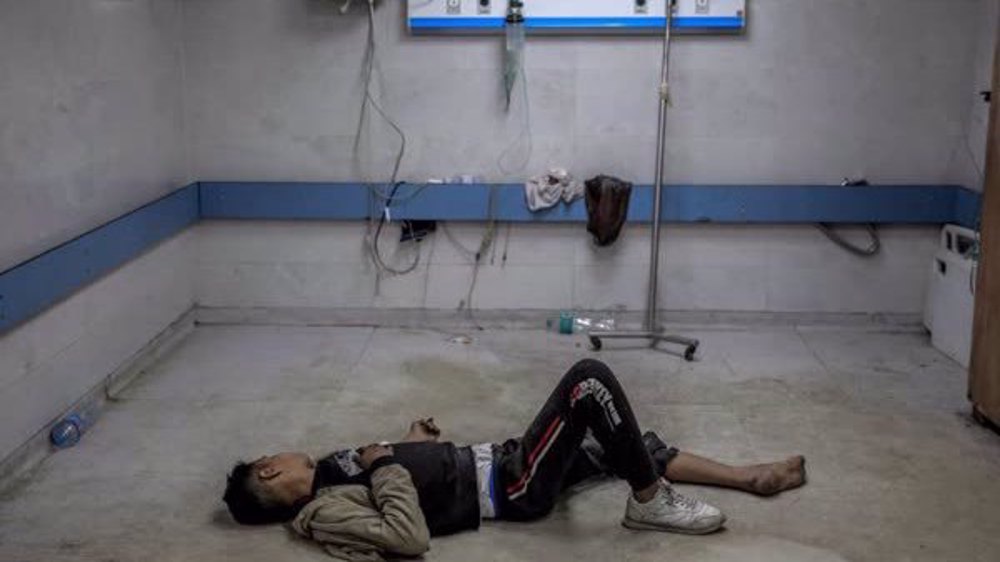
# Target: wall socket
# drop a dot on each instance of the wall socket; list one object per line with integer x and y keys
{"x": 702, "y": 7}
{"x": 642, "y": 6}
{"x": 485, "y": 6}
{"x": 454, "y": 7}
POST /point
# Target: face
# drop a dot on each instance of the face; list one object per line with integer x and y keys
{"x": 284, "y": 473}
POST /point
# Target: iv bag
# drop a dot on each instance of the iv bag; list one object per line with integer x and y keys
{"x": 513, "y": 56}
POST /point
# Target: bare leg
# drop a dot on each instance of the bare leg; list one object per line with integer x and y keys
{"x": 762, "y": 479}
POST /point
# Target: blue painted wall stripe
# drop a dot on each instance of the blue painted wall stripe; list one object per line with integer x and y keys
{"x": 283, "y": 200}
{"x": 967, "y": 208}
{"x": 28, "y": 289}
{"x": 753, "y": 204}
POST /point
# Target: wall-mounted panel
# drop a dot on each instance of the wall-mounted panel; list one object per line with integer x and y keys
{"x": 572, "y": 16}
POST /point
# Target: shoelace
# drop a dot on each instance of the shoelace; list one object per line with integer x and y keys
{"x": 678, "y": 499}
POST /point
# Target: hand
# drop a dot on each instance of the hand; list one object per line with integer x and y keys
{"x": 371, "y": 453}
{"x": 423, "y": 430}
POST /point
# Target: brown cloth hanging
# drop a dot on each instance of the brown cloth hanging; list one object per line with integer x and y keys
{"x": 607, "y": 208}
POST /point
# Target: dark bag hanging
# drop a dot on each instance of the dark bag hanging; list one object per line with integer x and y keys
{"x": 607, "y": 208}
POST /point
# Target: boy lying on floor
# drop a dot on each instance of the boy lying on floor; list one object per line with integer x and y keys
{"x": 389, "y": 500}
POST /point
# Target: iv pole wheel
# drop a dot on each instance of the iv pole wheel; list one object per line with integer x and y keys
{"x": 595, "y": 343}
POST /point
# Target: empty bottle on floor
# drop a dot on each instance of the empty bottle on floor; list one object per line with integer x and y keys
{"x": 68, "y": 431}
{"x": 563, "y": 323}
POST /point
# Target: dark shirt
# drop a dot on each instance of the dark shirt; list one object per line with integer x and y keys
{"x": 444, "y": 475}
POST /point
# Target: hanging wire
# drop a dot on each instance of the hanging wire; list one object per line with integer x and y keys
{"x": 377, "y": 195}
{"x": 976, "y": 251}
{"x": 477, "y": 256}
{"x": 524, "y": 136}
{"x": 370, "y": 64}
{"x": 829, "y": 231}
{"x": 871, "y": 251}
{"x": 377, "y": 255}
{"x": 506, "y": 245}
{"x": 470, "y": 254}
{"x": 381, "y": 195}
{"x": 484, "y": 247}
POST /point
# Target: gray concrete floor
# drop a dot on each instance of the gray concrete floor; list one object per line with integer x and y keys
{"x": 898, "y": 471}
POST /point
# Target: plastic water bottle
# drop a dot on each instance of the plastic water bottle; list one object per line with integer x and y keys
{"x": 564, "y": 324}
{"x": 70, "y": 429}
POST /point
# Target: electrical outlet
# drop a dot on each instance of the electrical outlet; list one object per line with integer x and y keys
{"x": 485, "y": 6}
{"x": 641, "y": 6}
{"x": 454, "y": 7}
{"x": 702, "y": 7}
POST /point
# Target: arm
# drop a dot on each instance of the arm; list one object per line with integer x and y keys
{"x": 403, "y": 528}
{"x": 353, "y": 522}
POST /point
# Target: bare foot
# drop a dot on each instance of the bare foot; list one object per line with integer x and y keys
{"x": 774, "y": 478}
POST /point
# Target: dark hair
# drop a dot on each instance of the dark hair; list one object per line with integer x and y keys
{"x": 250, "y": 502}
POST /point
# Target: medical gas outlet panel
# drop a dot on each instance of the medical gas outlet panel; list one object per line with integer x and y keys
{"x": 577, "y": 16}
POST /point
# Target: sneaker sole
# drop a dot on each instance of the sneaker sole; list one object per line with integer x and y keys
{"x": 640, "y": 526}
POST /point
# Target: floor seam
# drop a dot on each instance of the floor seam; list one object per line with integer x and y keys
{"x": 826, "y": 368}
{"x": 364, "y": 351}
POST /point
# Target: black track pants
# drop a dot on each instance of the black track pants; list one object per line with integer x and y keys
{"x": 531, "y": 471}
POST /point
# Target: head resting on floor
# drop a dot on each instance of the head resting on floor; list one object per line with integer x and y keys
{"x": 271, "y": 489}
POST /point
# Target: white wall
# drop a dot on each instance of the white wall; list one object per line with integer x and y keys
{"x": 49, "y": 362}
{"x": 819, "y": 89}
{"x": 91, "y": 124}
{"x": 706, "y": 268}
{"x": 91, "y": 127}
{"x": 969, "y": 163}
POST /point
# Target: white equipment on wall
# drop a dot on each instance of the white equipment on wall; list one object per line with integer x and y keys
{"x": 577, "y": 16}
{"x": 951, "y": 294}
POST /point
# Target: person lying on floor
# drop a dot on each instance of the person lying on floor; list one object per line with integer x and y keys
{"x": 390, "y": 499}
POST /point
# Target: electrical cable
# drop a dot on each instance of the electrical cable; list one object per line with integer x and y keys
{"x": 377, "y": 255}
{"x": 974, "y": 271}
{"x": 471, "y": 254}
{"x": 369, "y": 101}
{"x": 484, "y": 246}
{"x": 384, "y": 197}
{"x": 525, "y": 135}
{"x": 477, "y": 256}
{"x": 370, "y": 62}
{"x": 506, "y": 245}
{"x": 477, "y": 260}
{"x": 493, "y": 254}
{"x": 829, "y": 231}
{"x": 871, "y": 251}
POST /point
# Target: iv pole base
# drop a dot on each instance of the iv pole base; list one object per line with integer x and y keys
{"x": 690, "y": 345}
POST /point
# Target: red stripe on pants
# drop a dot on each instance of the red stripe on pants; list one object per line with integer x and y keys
{"x": 534, "y": 453}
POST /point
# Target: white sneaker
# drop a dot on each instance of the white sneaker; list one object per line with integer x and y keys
{"x": 670, "y": 511}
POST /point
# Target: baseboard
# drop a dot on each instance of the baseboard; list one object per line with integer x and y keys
{"x": 537, "y": 319}
{"x": 35, "y": 450}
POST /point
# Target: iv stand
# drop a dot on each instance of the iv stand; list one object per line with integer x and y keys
{"x": 653, "y": 332}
